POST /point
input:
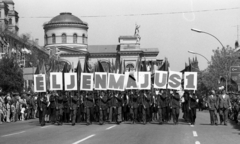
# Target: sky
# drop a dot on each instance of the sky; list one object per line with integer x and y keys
{"x": 164, "y": 24}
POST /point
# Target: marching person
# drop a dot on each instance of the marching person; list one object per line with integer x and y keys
{"x": 192, "y": 107}
{"x": 175, "y": 106}
{"x": 59, "y": 109}
{"x": 159, "y": 104}
{"x": 52, "y": 107}
{"x": 42, "y": 104}
{"x": 73, "y": 106}
{"x": 66, "y": 108}
{"x": 118, "y": 111}
{"x": 134, "y": 106}
{"x": 89, "y": 103}
{"x": 145, "y": 110}
{"x": 213, "y": 106}
{"x": 224, "y": 106}
{"x": 102, "y": 108}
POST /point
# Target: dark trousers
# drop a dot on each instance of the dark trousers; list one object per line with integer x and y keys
{"x": 89, "y": 111}
{"x": 134, "y": 113}
{"x": 66, "y": 115}
{"x": 213, "y": 116}
{"x": 31, "y": 113}
{"x": 73, "y": 115}
{"x": 102, "y": 115}
{"x": 224, "y": 114}
{"x": 175, "y": 114}
{"x": 53, "y": 115}
{"x": 192, "y": 114}
{"x": 160, "y": 116}
{"x": 145, "y": 114}
{"x": 125, "y": 113}
{"x": 42, "y": 116}
{"x": 59, "y": 115}
{"x": 165, "y": 113}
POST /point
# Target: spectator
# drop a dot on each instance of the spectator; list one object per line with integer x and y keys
{"x": 23, "y": 109}
{"x": 13, "y": 112}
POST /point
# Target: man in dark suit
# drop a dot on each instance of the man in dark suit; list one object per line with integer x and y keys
{"x": 134, "y": 106}
{"x": 175, "y": 105}
{"x": 52, "y": 106}
{"x": 59, "y": 109}
{"x": 102, "y": 107}
{"x": 73, "y": 106}
{"x": 159, "y": 104}
{"x": 213, "y": 106}
{"x": 145, "y": 110}
{"x": 224, "y": 105}
{"x": 192, "y": 107}
{"x": 42, "y": 105}
{"x": 89, "y": 104}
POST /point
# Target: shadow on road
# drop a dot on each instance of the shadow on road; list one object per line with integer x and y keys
{"x": 235, "y": 126}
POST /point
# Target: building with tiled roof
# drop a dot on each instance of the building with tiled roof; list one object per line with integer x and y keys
{"x": 67, "y": 35}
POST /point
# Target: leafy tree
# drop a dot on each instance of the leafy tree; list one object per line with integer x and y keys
{"x": 11, "y": 75}
{"x": 221, "y": 61}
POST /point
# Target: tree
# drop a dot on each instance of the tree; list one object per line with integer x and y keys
{"x": 11, "y": 75}
{"x": 221, "y": 62}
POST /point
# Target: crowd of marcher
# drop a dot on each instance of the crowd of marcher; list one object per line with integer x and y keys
{"x": 135, "y": 106}
{"x": 15, "y": 107}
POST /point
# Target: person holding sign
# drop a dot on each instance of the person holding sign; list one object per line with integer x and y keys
{"x": 134, "y": 106}
{"x": 102, "y": 107}
{"x": 175, "y": 105}
{"x": 159, "y": 104}
{"x": 89, "y": 101}
{"x": 59, "y": 109}
{"x": 192, "y": 107}
{"x": 145, "y": 110}
{"x": 73, "y": 106}
{"x": 52, "y": 106}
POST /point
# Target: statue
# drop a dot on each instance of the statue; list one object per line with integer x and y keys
{"x": 136, "y": 33}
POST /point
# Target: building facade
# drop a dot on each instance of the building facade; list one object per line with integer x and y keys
{"x": 67, "y": 36}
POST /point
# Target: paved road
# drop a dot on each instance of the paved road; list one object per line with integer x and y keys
{"x": 29, "y": 132}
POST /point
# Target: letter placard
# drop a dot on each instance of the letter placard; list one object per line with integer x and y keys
{"x": 190, "y": 80}
{"x": 56, "y": 81}
{"x": 70, "y": 81}
{"x": 160, "y": 79}
{"x": 116, "y": 82}
{"x": 100, "y": 81}
{"x": 131, "y": 80}
{"x": 144, "y": 80}
{"x": 174, "y": 80}
{"x": 86, "y": 81}
{"x": 40, "y": 83}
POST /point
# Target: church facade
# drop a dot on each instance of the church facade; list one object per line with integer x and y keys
{"x": 66, "y": 36}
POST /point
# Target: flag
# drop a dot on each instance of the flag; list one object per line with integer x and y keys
{"x": 164, "y": 66}
{"x": 79, "y": 71}
{"x": 113, "y": 67}
{"x": 100, "y": 67}
{"x": 86, "y": 66}
{"x": 43, "y": 69}
{"x": 65, "y": 70}
{"x": 109, "y": 66}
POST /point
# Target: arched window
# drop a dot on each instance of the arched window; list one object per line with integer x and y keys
{"x": 64, "y": 38}
{"x": 74, "y": 38}
{"x": 10, "y": 21}
{"x": 83, "y": 38}
{"x": 53, "y": 38}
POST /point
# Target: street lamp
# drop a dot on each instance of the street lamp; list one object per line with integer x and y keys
{"x": 200, "y": 55}
{"x": 200, "y": 31}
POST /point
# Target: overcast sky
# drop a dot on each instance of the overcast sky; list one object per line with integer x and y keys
{"x": 167, "y": 31}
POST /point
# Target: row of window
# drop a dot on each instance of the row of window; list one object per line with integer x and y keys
{"x": 64, "y": 38}
{"x": 9, "y": 21}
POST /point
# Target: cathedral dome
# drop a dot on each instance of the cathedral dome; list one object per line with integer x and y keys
{"x": 66, "y": 18}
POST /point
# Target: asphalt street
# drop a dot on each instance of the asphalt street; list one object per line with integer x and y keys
{"x": 30, "y": 132}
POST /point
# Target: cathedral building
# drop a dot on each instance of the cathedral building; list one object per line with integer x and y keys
{"x": 67, "y": 37}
